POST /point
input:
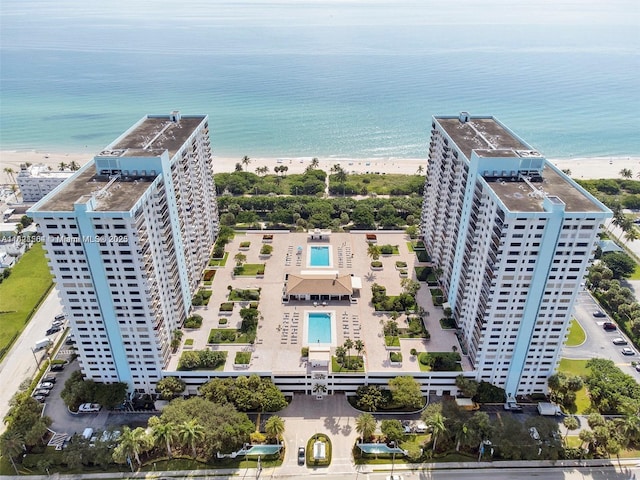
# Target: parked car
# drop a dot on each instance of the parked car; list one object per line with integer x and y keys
{"x": 610, "y": 327}
{"x": 627, "y": 351}
{"x": 42, "y": 391}
{"x": 40, "y": 398}
{"x": 45, "y": 385}
{"x": 599, "y": 314}
{"x": 533, "y": 431}
{"x": 619, "y": 341}
{"x": 60, "y": 317}
{"x": 49, "y": 379}
{"x": 637, "y": 367}
{"x": 89, "y": 408}
{"x": 53, "y": 330}
{"x": 301, "y": 456}
{"x": 56, "y": 367}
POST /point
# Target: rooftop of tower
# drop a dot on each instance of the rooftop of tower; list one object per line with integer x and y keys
{"x": 480, "y": 134}
{"x": 520, "y": 177}
{"x": 120, "y": 188}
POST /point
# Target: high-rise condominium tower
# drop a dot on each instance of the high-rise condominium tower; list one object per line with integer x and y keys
{"x": 127, "y": 237}
{"x": 513, "y": 237}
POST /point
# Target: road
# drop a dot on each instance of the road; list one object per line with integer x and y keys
{"x": 20, "y": 362}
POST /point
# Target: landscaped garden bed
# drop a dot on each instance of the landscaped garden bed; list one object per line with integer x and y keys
{"x": 194, "y": 321}
{"x": 267, "y": 237}
{"x": 227, "y": 335}
{"x": 395, "y": 357}
{"x": 448, "y": 323}
{"x": 389, "y": 250}
{"x": 226, "y": 307}
{"x": 319, "y": 451}
{"x": 376, "y": 265}
{"x": 350, "y": 364}
{"x": 201, "y": 298}
{"x": 249, "y": 270}
{"x": 245, "y": 245}
{"x": 266, "y": 250}
{"x": 437, "y": 296}
{"x": 244, "y": 295}
{"x": 207, "y": 277}
{"x": 219, "y": 262}
{"x": 242, "y": 359}
{"x": 202, "y": 359}
{"x": 439, "y": 362}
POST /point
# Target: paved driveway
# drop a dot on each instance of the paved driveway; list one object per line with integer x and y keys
{"x": 332, "y": 416}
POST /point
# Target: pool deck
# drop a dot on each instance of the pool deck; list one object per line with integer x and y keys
{"x": 281, "y": 332}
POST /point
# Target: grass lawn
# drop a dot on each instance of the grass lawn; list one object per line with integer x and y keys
{"x": 636, "y": 273}
{"x": 244, "y": 295}
{"x": 337, "y": 368}
{"x": 21, "y": 293}
{"x": 410, "y": 246}
{"x": 220, "y": 262}
{"x": 573, "y": 441}
{"x": 227, "y": 335}
{"x": 251, "y": 269}
{"x": 576, "y": 334}
{"x": 577, "y": 367}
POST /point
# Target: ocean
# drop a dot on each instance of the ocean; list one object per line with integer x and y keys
{"x": 322, "y": 78}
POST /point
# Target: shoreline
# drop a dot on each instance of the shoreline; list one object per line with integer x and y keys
{"x": 581, "y": 167}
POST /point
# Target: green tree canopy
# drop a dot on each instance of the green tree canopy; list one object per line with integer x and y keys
{"x": 405, "y": 392}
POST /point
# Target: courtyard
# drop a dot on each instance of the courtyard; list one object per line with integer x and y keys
{"x": 286, "y": 325}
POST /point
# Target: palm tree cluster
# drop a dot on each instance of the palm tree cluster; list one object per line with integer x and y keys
{"x": 343, "y": 354}
{"x": 624, "y": 222}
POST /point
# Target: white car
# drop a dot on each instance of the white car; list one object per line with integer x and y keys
{"x": 89, "y": 408}
{"x": 533, "y": 431}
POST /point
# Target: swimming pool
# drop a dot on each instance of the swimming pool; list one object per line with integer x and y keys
{"x": 319, "y": 256}
{"x": 319, "y": 328}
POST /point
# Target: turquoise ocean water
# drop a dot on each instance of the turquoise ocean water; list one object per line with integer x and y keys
{"x": 309, "y": 78}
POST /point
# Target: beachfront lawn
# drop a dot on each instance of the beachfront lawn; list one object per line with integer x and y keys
{"x": 576, "y": 334}
{"x": 21, "y": 293}
{"x": 219, "y": 262}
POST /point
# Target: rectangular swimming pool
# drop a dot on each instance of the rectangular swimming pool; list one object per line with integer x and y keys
{"x": 319, "y": 329}
{"x": 319, "y": 256}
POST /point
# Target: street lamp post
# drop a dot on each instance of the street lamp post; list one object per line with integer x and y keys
{"x": 258, "y": 469}
{"x": 34, "y": 357}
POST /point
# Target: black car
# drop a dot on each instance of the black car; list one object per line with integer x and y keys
{"x": 610, "y": 327}
{"x": 57, "y": 367}
{"x": 53, "y": 330}
{"x": 599, "y": 314}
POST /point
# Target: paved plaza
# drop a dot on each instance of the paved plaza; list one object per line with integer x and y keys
{"x": 282, "y": 330}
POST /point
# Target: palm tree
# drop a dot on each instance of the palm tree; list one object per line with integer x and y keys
{"x": 626, "y": 173}
{"x": 164, "y": 433}
{"x": 462, "y": 435}
{"x": 348, "y": 345}
{"x": 629, "y": 427}
{"x": 373, "y": 251}
{"x": 133, "y": 442}
{"x": 359, "y": 346}
{"x": 436, "y": 423}
{"x": 262, "y": 170}
{"x": 631, "y": 234}
{"x": 340, "y": 353}
{"x": 420, "y": 170}
{"x": 365, "y": 425}
{"x": 315, "y": 163}
{"x": 14, "y": 190}
{"x": 191, "y": 432}
{"x": 245, "y": 161}
{"x": 62, "y": 166}
{"x": 570, "y": 423}
{"x": 10, "y": 173}
{"x": 11, "y": 445}
{"x": 73, "y": 166}
{"x": 274, "y": 427}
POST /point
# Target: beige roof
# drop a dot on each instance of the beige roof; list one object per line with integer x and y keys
{"x": 327, "y": 284}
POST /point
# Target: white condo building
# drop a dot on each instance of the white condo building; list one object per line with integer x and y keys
{"x": 127, "y": 237}
{"x": 35, "y": 181}
{"x": 513, "y": 236}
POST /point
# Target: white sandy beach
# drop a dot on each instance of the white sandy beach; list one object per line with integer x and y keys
{"x": 581, "y": 168}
